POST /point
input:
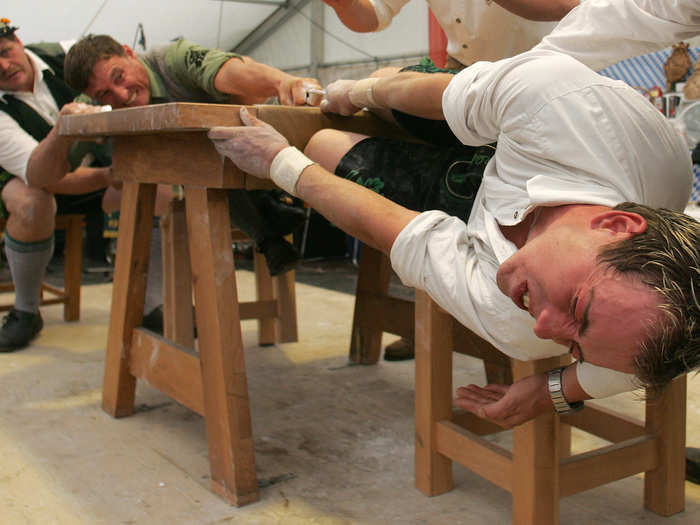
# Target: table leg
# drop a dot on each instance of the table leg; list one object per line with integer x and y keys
{"x": 226, "y": 404}
{"x": 130, "y": 273}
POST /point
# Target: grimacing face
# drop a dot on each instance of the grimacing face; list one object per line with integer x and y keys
{"x": 16, "y": 71}
{"x": 601, "y": 316}
{"x": 120, "y": 81}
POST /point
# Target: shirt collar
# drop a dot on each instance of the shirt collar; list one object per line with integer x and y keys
{"x": 39, "y": 67}
{"x": 156, "y": 86}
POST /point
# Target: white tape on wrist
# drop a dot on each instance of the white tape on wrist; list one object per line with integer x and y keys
{"x": 361, "y": 94}
{"x": 286, "y": 168}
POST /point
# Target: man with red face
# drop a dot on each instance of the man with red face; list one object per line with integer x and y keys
{"x": 40, "y": 172}
{"x": 553, "y": 252}
{"x": 114, "y": 74}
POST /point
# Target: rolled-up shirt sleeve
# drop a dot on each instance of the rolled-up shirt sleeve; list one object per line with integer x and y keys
{"x": 16, "y": 147}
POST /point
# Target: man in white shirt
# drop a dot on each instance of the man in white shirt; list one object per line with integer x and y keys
{"x": 547, "y": 237}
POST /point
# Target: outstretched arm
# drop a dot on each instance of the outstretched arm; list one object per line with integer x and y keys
{"x": 418, "y": 94}
{"x": 542, "y": 10}
{"x": 360, "y": 212}
{"x": 251, "y": 82}
{"x": 356, "y": 15}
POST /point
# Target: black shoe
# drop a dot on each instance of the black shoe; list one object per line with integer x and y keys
{"x": 153, "y": 320}
{"x": 692, "y": 465}
{"x": 18, "y": 329}
{"x": 279, "y": 255}
{"x": 401, "y": 350}
{"x": 280, "y": 218}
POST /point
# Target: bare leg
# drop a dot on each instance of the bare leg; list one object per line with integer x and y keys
{"x": 328, "y": 146}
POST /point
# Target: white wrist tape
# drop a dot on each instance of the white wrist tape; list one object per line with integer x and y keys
{"x": 600, "y": 382}
{"x": 286, "y": 168}
{"x": 361, "y": 94}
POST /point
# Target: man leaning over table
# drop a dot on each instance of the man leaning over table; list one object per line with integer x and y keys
{"x": 554, "y": 251}
{"x": 112, "y": 73}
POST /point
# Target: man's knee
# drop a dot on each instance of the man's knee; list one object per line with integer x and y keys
{"x": 328, "y": 146}
{"x": 32, "y": 208}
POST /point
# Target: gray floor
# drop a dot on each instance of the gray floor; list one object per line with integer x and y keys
{"x": 333, "y": 442}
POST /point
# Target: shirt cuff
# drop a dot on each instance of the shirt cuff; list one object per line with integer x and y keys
{"x": 599, "y": 382}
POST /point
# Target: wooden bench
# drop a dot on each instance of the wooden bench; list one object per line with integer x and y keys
{"x": 540, "y": 469}
{"x": 69, "y": 295}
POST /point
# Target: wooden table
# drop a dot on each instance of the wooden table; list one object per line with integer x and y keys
{"x": 167, "y": 144}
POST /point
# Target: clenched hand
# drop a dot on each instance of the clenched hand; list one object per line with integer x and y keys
{"x": 251, "y": 147}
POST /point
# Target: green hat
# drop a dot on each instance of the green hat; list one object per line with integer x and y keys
{"x": 5, "y": 28}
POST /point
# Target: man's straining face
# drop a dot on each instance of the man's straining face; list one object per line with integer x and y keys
{"x": 16, "y": 71}
{"x": 601, "y": 316}
{"x": 120, "y": 81}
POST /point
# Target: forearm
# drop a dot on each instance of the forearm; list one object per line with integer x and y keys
{"x": 82, "y": 180}
{"x": 356, "y": 15}
{"x": 249, "y": 81}
{"x": 48, "y": 162}
{"x": 542, "y": 10}
{"x": 369, "y": 217}
{"x": 417, "y": 94}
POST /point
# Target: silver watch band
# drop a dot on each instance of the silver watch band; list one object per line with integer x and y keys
{"x": 556, "y": 393}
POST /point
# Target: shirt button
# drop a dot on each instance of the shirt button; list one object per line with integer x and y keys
{"x": 516, "y": 214}
{"x": 458, "y": 20}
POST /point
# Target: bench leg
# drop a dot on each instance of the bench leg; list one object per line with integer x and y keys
{"x": 178, "y": 325}
{"x": 536, "y": 459}
{"x": 433, "y": 393}
{"x": 226, "y": 403}
{"x": 664, "y": 487}
{"x": 130, "y": 271}
{"x": 372, "y": 280}
{"x": 73, "y": 268}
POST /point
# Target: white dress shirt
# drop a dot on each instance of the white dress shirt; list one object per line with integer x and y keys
{"x": 17, "y": 145}
{"x": 475, "y": 29}
{"x": 602, "y": 32}
{"x": 565, "y": 135}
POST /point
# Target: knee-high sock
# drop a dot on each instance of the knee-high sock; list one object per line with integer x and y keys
{"x": 154, "y": 280}
{"x": 28, "y": 262}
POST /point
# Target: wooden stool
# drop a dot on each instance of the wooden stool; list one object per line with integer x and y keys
{"x": 540, "y": 469}
{"x": 69, "y": 295}
{"x": 275, "y": 307}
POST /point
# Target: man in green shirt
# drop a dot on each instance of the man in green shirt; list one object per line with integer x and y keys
{"x": 112, "y": 73}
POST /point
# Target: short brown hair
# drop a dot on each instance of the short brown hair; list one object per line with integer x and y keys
{"x": 665, "y": 257}
{"x": 82, "y": 57}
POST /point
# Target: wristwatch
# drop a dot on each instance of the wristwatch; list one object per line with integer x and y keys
{"x": 554, "y": 384}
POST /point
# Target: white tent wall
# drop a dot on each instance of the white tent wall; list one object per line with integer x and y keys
{"x": 345, "y": 54}
{"x": 224, "y": 24}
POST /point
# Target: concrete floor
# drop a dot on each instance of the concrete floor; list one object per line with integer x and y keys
{"x": 333, "y": 442}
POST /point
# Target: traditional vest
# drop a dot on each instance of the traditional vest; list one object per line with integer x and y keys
{"x": 33, "y": 123}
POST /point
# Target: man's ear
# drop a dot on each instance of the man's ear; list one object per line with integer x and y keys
{"x": 129, "y": 52}
{"x": 618, "y": 221}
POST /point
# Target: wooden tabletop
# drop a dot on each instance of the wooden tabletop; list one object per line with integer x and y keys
{"x": 295, "y": 123}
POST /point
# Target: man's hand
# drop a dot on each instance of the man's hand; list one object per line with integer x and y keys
{"x": 251, "y": 147}
{"x": 294, "y": 91}
{"x": 337, "y": 98}
{"x": 505, "y": 405}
